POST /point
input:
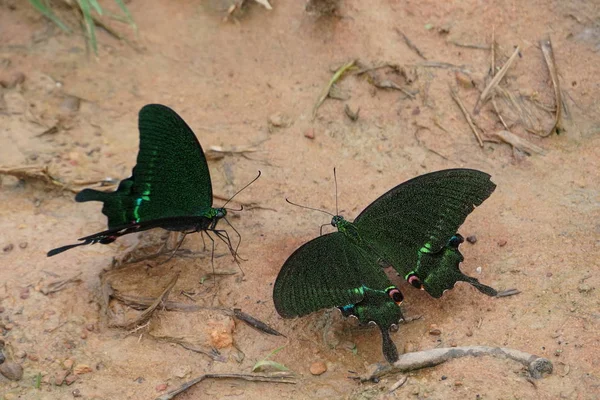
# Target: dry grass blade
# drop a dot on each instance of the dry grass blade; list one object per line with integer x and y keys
{"x": 458, "y": 101}
{"x": 389, "y": 84}
{"x": 410, "y": 44}
{"x": 253, "y": 378}
{"x": 36, "y": 173}
{"x": 255, "y": 323}
{"x": 147, "y": 313}
{"x": 518, "y": 142}
{"x": 494, "y": 82}
{"x": 57, "y": 286}
{"x": 336, "y": 76}
{"x": 548, "y": 52}
{"x": 398, "y": 383}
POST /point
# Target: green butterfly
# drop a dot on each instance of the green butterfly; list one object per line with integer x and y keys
{"x": 169, "y": 188}
{"x": 412, "y": 227}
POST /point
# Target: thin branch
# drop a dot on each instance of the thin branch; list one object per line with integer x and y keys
{"x": 494, "y": 82}
{"x": 458, "y": 101}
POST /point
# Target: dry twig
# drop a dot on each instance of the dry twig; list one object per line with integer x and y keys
{"x": 518, "y": 142}
{"x": 548, "y": 52}
{"x": 458, "y": 101}
{"x": 494, "y": 82}
{"x": 253, "y": 378}
{"x": 537, "y": 366}
{"x": 410, "y": 44}
{"x": 57, "y": 286}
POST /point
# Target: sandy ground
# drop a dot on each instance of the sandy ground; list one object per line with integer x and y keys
{"x": 538, "y": 232}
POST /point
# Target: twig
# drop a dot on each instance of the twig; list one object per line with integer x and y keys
{"x": 444, "y": 65}
{"x": 410, "y": 44}
{"x": 253, "y": 378}
{"x": 458, "y": 101}
{"x": 396, "y": 385}
{"x": 548, "y": 52}
{"x": 36, "y": 172}
{"x": 253, "y": 322}
{"x": 338, "y": 74}
{"x": 498, "y": 112}
{"x": 537, "y": 366}
{"x": 374, "y": 68}
{"x": 494, "y": 82}
{"x": 493, "y": 63}
{"x": 518, "y": 142}
{"x": 147, "y": 313}
{"x": 212, "y": 353}
{"x": 389, "y": 84}
{"x": 470, "y": 45}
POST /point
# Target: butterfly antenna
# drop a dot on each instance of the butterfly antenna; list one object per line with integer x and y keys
{"x": 336, "y": 192}
{"x": 238, "y": 192}
{"x": 308, "y": 208}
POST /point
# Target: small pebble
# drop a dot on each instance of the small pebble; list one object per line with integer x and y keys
{"x": 278, "y": 120}
{"x": 478, "y": 270}
{"x": 8, "y": 247}
{"x": 472, "y": 239}
{"x": 458, "y": 383}
{"x": 68, "y": 363}
{"x": 70, "y": 103}
{"x": 70, "y": 379}
{"x": 464, "y": 80}
{"x": 9, "y": 326}
{"x": 161, "y": 387}
{"x": 83, "y": 335}
{"x": 318, "y": 368}
{"x": 33, "y": 357}
{"x": 20, "y": 354}
{"x": 13, "y": 80}
{"x": 11, "y": 370}
{"x": 23, "y": 245}
{"x": 60, "y": 377}
{"x": 469, "y": 332}
{"x": 434, "y": 330}
{"x": 502, "y": 242}
{"x": 309, "y": 133}
{"x": 82, "y": 369}
{"x": 24, "y": 293}
{"x": 548, "y": 274}
{"x": 444, "y": 377}
{"x": 90, "y": 327}
{"x": 585, "y": 288}
{"x": 76, "y": 393}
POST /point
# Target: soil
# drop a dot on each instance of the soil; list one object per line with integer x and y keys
{"x": 233, "y": 81}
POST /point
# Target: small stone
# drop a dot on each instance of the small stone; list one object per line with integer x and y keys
{"x": 24, "y": 293}
{"x": 90, "y": 327}
{"x": 70, "y": 379}
{"x": 453, "y": 343}
{"x": 20, "y": 354}
{"x": 434, "y": 330}
{"x": 309, "y": 133}
{"x": 33, "y": 357}
{"x": 472, "y": 239}
{"x": 11, "y": 370}
{"x": 23, "y": 245}
{"x": 458, "y": 383}
{"x": 8, "y": 247}
{"x": 469, "y": 332}
{"x": 548, "y": 274}
{"x": 2, "y": 309}
{"x": 76, "y": 393}
{"x": 9, "y": 326}
{"x": 60, "y": 377}
{"x": 161, "y": 387}
{"x": 318, "y": 368}
{"x": 70, "y": 103}
{"x": 13, "y": 80}
{"x": 464, "y": 80}
{"x": 83, "y": 335}
{"x": 278, "y": 120}
{"x": 585, "y": 288}
{"x": 82, "y": 369}
{"x": 68, "y": 363}
{"x": 502, "y": 242}
{"x": 444, "y": 377}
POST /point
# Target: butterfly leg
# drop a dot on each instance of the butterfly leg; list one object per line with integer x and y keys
{"x": 224, "y": 236}
{"x": 176, "y": 248}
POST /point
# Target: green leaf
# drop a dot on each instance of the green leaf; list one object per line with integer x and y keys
{"x": 89, "y": 23}
{"x": 265, "y": 363}
{"x": 47, "y": 12}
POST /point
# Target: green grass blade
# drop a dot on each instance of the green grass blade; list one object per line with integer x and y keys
{"x": 89, "y": 23}
{"x": 125, "y": 10}
{"x": 265, "y": 362}
{"x": 96, "y": 6}
{"x": 47, "y": 12}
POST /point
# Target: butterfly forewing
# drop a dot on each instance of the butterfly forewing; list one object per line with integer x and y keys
{"x": 326, "y": 272}
{"x": 424, "y": 211}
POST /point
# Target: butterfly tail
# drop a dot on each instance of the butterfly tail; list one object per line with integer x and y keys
{"x": 91, "y": 195}
{"x": 59, "y": 250}
{"x": 389, "y": 348}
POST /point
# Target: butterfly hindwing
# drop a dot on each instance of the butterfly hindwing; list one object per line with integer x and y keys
{"x": 424, "y": 212}
{"x": 326, "y": 272}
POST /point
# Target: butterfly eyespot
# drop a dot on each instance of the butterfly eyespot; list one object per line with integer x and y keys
{"x": 396, "y": 295}
{"x": 415, "y": 281}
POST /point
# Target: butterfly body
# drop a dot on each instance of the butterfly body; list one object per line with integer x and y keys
{"x": 170, "y": 186}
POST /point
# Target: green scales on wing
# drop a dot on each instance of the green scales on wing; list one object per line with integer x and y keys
{"x": 335, "y": 270}
{"x": 413, "y": 227}
{"x": 170, "y": 186}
